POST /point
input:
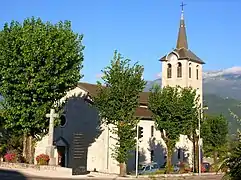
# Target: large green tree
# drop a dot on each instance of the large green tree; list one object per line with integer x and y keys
{"x": 39, "y": 63}
{"x": 117, "y": 103}
{"x": 232, "y": 161}
{"x": 214, "y": 132}
{"x": 172, "y": 108}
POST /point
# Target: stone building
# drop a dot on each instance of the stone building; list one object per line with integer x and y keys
{"x": 179, "y": 67}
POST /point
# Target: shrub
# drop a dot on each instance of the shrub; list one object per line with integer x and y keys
{"x": 184, "y": 167}
{"x": 42, "y": 159}
{"x": 10, "y": 157}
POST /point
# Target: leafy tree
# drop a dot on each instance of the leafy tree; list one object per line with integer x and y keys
{"x": 117, "y": 103}
{"x": 173, "y": 109}
{"x": 39, "y": 63}
{"x": 191, "y": 110}
{"x": 214, "y": 131}
{"x": 232, "y": 161}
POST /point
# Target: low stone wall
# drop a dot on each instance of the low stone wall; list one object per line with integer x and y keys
{"x": 28, "y": 166}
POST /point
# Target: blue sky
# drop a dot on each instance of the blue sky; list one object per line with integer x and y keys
{"x": 141, "y": 30}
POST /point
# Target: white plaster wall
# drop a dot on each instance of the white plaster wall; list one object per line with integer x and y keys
{"x": 157, "y": 144}
{"x": 99, "y": 153}
{"x": 96, "y": 154}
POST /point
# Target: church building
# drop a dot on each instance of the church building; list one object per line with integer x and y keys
{"x": 81, "y": 122}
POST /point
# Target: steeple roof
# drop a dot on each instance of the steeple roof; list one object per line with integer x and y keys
{"x": 182, "y": 36}
{"x": 182, "y": 44}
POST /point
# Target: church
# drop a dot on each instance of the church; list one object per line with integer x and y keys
{"x": 81, "y": 122}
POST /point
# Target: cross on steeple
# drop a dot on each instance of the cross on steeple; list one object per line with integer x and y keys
{"x": 182, "y": 5}
{"x": 182, "y": 37}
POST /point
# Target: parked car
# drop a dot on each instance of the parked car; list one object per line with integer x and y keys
{"x": 206, "y": 167}
{"x": 148, "y": 168}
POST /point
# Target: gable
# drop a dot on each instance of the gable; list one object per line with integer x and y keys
{"x": 76, "y": 92}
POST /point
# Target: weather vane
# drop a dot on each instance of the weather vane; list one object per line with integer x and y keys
{"x": 182, "y": 5}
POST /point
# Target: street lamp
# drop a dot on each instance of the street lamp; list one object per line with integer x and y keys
{"x": 199, "y": 139}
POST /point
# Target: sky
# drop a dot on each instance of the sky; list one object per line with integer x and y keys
{"x": 141, "y": 30}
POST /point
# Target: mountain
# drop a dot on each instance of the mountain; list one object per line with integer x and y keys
{"x": 222, "y": 91}
{"x": 225, "y": 83}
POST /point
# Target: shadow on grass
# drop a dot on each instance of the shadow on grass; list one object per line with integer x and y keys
{"x": 11, "y": 175}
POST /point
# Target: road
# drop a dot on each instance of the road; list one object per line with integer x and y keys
{"x": 14, "y": 175}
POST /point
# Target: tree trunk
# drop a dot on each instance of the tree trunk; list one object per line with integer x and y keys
{"x": 215, "y": 158}
{"x": 194, "y": 153}
{"x": 122, "y": 169}
{"x": 28, "y": 149}
{"x": 30, "y": 144}
{"x": 25, "y": 146}
{"x": 169, "y": 160}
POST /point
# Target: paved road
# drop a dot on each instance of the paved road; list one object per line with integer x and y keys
{"x": 13, "y": 175}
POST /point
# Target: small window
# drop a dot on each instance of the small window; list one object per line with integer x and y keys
{"x": 169, "y": 71}
{"x": 190, "y": 72}
{"x": 197, "y": 72}
{"x": 179, "y": 154}
{"x": 179, "y": 70}
{"x": 152, "y": 131}
{"x": 152, "y": 155}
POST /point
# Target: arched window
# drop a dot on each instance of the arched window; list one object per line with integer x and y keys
{"x": 197, "y": 72}
{"x": 190, "y": 71}
{"x": 169, "y": 71}
{"x": 179, "y": 70}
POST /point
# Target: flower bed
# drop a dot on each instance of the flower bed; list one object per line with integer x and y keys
{"x": 10, "y": 157}
{"x": 42, "y": 159}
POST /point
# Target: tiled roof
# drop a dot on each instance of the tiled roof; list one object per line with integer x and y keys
{"x": 140, "y": 111}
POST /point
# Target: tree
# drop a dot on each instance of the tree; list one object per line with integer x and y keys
{"x": 117, "y": 103}
{"x": 191, "y": 110}
{"x": 39, "y": 63}
{"x": 214, "y": 131}
{"x": 232, "y": 161}
{"x": 172, "y": 108}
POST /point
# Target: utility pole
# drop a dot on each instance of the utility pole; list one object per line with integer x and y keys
{"x": 137, "y": 149}
{"x": 199, "y": 140}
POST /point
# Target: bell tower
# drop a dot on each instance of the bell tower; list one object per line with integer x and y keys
{"x": 181, "y": 66}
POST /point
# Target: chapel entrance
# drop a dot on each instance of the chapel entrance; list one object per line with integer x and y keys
{"x": 62, "y": 149}
{"x": 62, "y": 155}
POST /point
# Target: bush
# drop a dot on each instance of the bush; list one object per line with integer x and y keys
{"x": 10, "y": 157}
{"x": 184, "y": 168}
{"x": 42, "y": 159}
{"x": 160, "y": 171}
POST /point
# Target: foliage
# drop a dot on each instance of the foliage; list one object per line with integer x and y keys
{"x": 214, "y": 131}
{"x": 10, "y": 157}
{"x": 39, "y": 63}
{"x": 172, "y": 108}
{"x": 233, "y": 162}
{"x": 117, "y": 103}
{"x": 42, "y": 159}
{"x": 10, "y": 141}
{"x": 184, "y": 167}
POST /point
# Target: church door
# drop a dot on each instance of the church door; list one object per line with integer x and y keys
{"x": 62, "y": 155}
